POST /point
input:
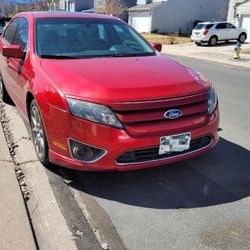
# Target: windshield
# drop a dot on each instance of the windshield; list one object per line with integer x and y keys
{"x": 64, "y": 38}
{"x": 203, "y": 26}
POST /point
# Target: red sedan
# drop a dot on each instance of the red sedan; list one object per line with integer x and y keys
{"x": 98, "y": 96}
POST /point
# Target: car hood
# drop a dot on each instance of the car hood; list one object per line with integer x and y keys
{"x": 123, "y": 79}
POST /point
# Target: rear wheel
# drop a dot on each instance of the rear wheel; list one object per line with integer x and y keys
{"x": 38, "y": 134}
{"x": 242, "y": 38}
{"x": 213, "y": 41}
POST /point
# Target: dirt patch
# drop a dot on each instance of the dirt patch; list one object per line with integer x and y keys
{"x": 246, "y": 51}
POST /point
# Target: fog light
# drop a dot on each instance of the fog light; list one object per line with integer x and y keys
{"x": 85, "y": 153}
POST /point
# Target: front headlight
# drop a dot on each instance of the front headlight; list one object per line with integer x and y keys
{"x": 93, "y": 112}
{"x": 212, "y": 100}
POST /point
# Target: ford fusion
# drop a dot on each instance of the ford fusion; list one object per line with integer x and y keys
{"x": 98, "y": 96}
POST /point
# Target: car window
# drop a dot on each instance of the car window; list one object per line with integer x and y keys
{"x": 230, "y": 26}
{"x": 221, "y": 26}
{"x": 11, "y": 30}
{"x": 21, "y": 34}
{"x": 209, "y": 26}
{"x": 203, "y": 26}
{"x": 200, "y": 26}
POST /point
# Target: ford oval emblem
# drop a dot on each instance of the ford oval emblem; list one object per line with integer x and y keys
{"x": 173, "y": 114}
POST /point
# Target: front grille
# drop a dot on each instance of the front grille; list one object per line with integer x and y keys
{"x": 190, "y": 106}
{"x": 138, "y": 117}
{"x": 152, "y": 154}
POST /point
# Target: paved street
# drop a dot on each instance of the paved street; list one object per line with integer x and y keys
{"x": 203, "y": 203}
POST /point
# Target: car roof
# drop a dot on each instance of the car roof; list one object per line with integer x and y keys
{"x": 51, "y": 14}
{"x": 212, "y": 22}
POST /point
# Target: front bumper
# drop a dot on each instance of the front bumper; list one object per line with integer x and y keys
{"x": 115, "y": 141}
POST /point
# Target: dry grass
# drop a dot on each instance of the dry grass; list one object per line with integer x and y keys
{"x": 166, "y": 39}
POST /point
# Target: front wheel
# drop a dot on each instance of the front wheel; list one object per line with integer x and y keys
{"x": 38, "y": 134}
{"x": 242, "y": 38}
{"x": 3, "y": 93}
{"x": 213, "y": 41}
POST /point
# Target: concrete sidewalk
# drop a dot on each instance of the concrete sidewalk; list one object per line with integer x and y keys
{"x": 222, "y": 53}
{"x": 14, "y": 223}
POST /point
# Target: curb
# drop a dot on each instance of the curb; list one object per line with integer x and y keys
{"x": 15, "y": 224}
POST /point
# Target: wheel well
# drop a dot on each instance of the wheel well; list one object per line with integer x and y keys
{"x": 29, "y": 99}
{"x": 243, "y": 33}
{"x": 214, "y": 36}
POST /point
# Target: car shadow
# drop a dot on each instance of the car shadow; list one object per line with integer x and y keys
{"x": 220, "y": 44}
{"x": 217, "y": 177}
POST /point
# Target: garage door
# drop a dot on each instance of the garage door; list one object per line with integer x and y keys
{"x": 141, "y": 24}
{"x": 246, "y": 25}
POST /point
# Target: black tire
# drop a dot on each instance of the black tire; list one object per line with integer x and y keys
{"x": 4, "y": 96}
{"x": 198, "y": 44}
{"x": 213, "y": 40}
{"x": 242, "y": 37}
{"x": 38, "y": 134}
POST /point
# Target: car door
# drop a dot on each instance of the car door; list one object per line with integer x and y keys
{"x": 232, "y": 32}
{"x": 6, "y": 39}
{"x": 17, "y": 68}
{"x": 221, "y": 31}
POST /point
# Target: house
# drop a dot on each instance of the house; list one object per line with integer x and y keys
{"x": 76, "y": 5}
{"x": 91, "y": 6}
{"x": 239, "y": 14}
{"x": 171, "y": 16}
{"x": 102, "y": 7}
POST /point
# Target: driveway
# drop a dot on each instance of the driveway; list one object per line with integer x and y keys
{"x": 221, "y": 53}
{"x": 201, "y": 203}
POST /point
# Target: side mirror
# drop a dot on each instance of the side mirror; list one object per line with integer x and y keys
{"x": 157, "y": 46}
{"x": 14, "y": 51}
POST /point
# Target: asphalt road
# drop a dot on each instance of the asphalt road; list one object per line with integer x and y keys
{"x": 200, "y": 203}
{"x": 203, "y": 203}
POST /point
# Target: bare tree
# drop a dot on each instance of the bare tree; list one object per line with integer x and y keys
{"x": 115, "y": 7}
{"x": 6, "y": 7}
{"x": 42, "y": 5}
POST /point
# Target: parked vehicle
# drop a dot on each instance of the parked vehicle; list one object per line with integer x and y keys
{"x": 98, "y": 96}
{"x": 2, "y": 24}
{"x": 212, "y": 32}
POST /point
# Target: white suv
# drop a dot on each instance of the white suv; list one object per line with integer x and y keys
{"x": 212, "y": 32}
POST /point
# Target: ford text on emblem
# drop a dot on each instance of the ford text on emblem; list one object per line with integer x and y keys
{"x": 173, "y": 114}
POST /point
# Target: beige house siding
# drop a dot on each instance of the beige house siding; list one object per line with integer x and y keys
{"x": 236, "y": 10}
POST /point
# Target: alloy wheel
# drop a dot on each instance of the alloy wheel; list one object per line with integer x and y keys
{"x": 38, "y": 132}
{"x": 213, "y": 41}
{"x": 242, "y": 38}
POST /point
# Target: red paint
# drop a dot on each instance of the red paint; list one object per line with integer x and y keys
{"x": 13, "y": 51}
{"x": 138, "y": 89}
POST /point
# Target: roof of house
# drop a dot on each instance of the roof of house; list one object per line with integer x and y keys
{"x": 143, "y": 7}
{"x": 95, "y": 10}
{"x": 241, "y": 3}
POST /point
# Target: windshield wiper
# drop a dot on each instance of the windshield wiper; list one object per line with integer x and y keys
{"x": 58, "y": 57}
{"x": 131, "y": 55}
